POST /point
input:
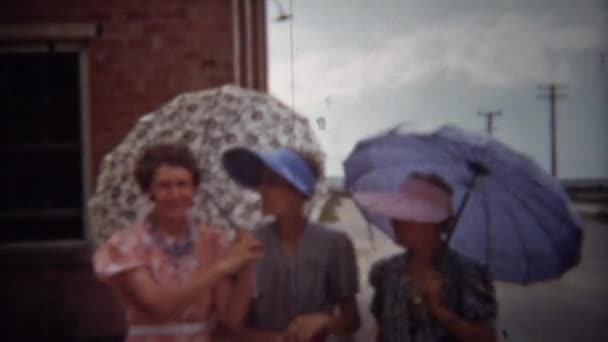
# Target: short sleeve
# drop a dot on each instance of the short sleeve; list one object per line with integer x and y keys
{"x": 121, "y": 253}
{"x": 343, "y": 272}
{"x": 479, "y": 297}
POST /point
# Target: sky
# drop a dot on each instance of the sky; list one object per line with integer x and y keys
{"x": 365, "y": 66}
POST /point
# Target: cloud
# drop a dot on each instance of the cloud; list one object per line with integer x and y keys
{"x": 503, "y": 50}
{"x": 367, "y": 71}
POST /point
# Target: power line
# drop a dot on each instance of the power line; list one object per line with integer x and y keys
{"x": 490, "y": 120}
{"x": 553, "y": 95}
{"x": 282, "y": 16}
{"x": 291, "y": 48}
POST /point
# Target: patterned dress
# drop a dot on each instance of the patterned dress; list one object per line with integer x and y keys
{"x": 468, "y": 291}
{"x": 171, "y": 264}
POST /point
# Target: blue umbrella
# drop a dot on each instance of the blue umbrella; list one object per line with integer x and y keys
{"x": 510, "y": 215}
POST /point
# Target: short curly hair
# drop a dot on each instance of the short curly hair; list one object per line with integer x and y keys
{"x": 171, "y": 154}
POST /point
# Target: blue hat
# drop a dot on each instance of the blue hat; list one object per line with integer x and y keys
{"x": 246, "y": 166}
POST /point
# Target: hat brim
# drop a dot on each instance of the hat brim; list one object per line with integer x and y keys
{"x": 244, "y": 166}
{"x": 401, "y": 206}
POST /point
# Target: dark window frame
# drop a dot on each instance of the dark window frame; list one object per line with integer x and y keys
{"x": 79, "y": 48}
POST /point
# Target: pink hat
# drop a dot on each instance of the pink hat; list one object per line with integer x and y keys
{"x": 417, "y": 200}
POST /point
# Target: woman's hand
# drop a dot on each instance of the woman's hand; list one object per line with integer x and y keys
{"x": 246, "y": 250}
{"x": 432, "y": 290}
{"x": 305, "y": 327}
{"x": 463, "y": 329}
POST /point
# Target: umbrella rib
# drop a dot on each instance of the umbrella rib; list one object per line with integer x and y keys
{"x": 515, "y": 220}
{"x": 522, "y": 240}
{"x": 480, "y": 156}
{"x": 453, "y": 151}
{"x": 548, "y": 207}
{"x": 488, "y": 217}
{"x": 456, "y": 151}
{"x": 542, "y": 226}
{"x": 537, "y": 220}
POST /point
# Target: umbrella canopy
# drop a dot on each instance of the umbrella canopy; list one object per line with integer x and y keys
{"x": 511, "y": 216}
{"x": 209, "y": 122}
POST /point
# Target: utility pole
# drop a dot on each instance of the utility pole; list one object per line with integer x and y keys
{"x": 490, "y": 120}
{"x": 553, "y": 95}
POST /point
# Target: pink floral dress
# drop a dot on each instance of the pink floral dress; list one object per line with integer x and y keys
{"x": 143, "y": 246}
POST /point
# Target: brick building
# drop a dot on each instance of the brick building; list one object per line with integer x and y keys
{"x": 74, "y": 77}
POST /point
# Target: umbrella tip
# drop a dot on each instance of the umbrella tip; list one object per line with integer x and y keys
{"x": 478, "y": 168}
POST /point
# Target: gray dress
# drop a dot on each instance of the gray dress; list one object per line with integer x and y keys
{"x": 320, "y": 275}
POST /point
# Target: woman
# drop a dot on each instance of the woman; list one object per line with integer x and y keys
{"x": 307, "y": 281}
{"x": 428, "y": 293}
{"x": 172, "y": 274}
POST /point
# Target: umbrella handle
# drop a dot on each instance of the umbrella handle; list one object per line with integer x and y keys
{"x": 461, "y": 208}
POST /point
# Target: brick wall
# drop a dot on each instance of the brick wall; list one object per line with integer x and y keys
{"x": 144, "y": 53}
{"x": 148, "y": 51}
{"x": 49, "y": 294}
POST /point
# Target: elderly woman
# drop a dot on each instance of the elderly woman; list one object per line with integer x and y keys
{"x": 428, "y": 293}
{"x": 307, "y": 281}
{"x": 174, "y": 275}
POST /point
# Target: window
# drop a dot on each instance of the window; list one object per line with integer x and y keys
{"x": 41, "y": 173}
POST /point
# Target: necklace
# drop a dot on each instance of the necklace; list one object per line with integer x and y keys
{"x": 173, "y": 251}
